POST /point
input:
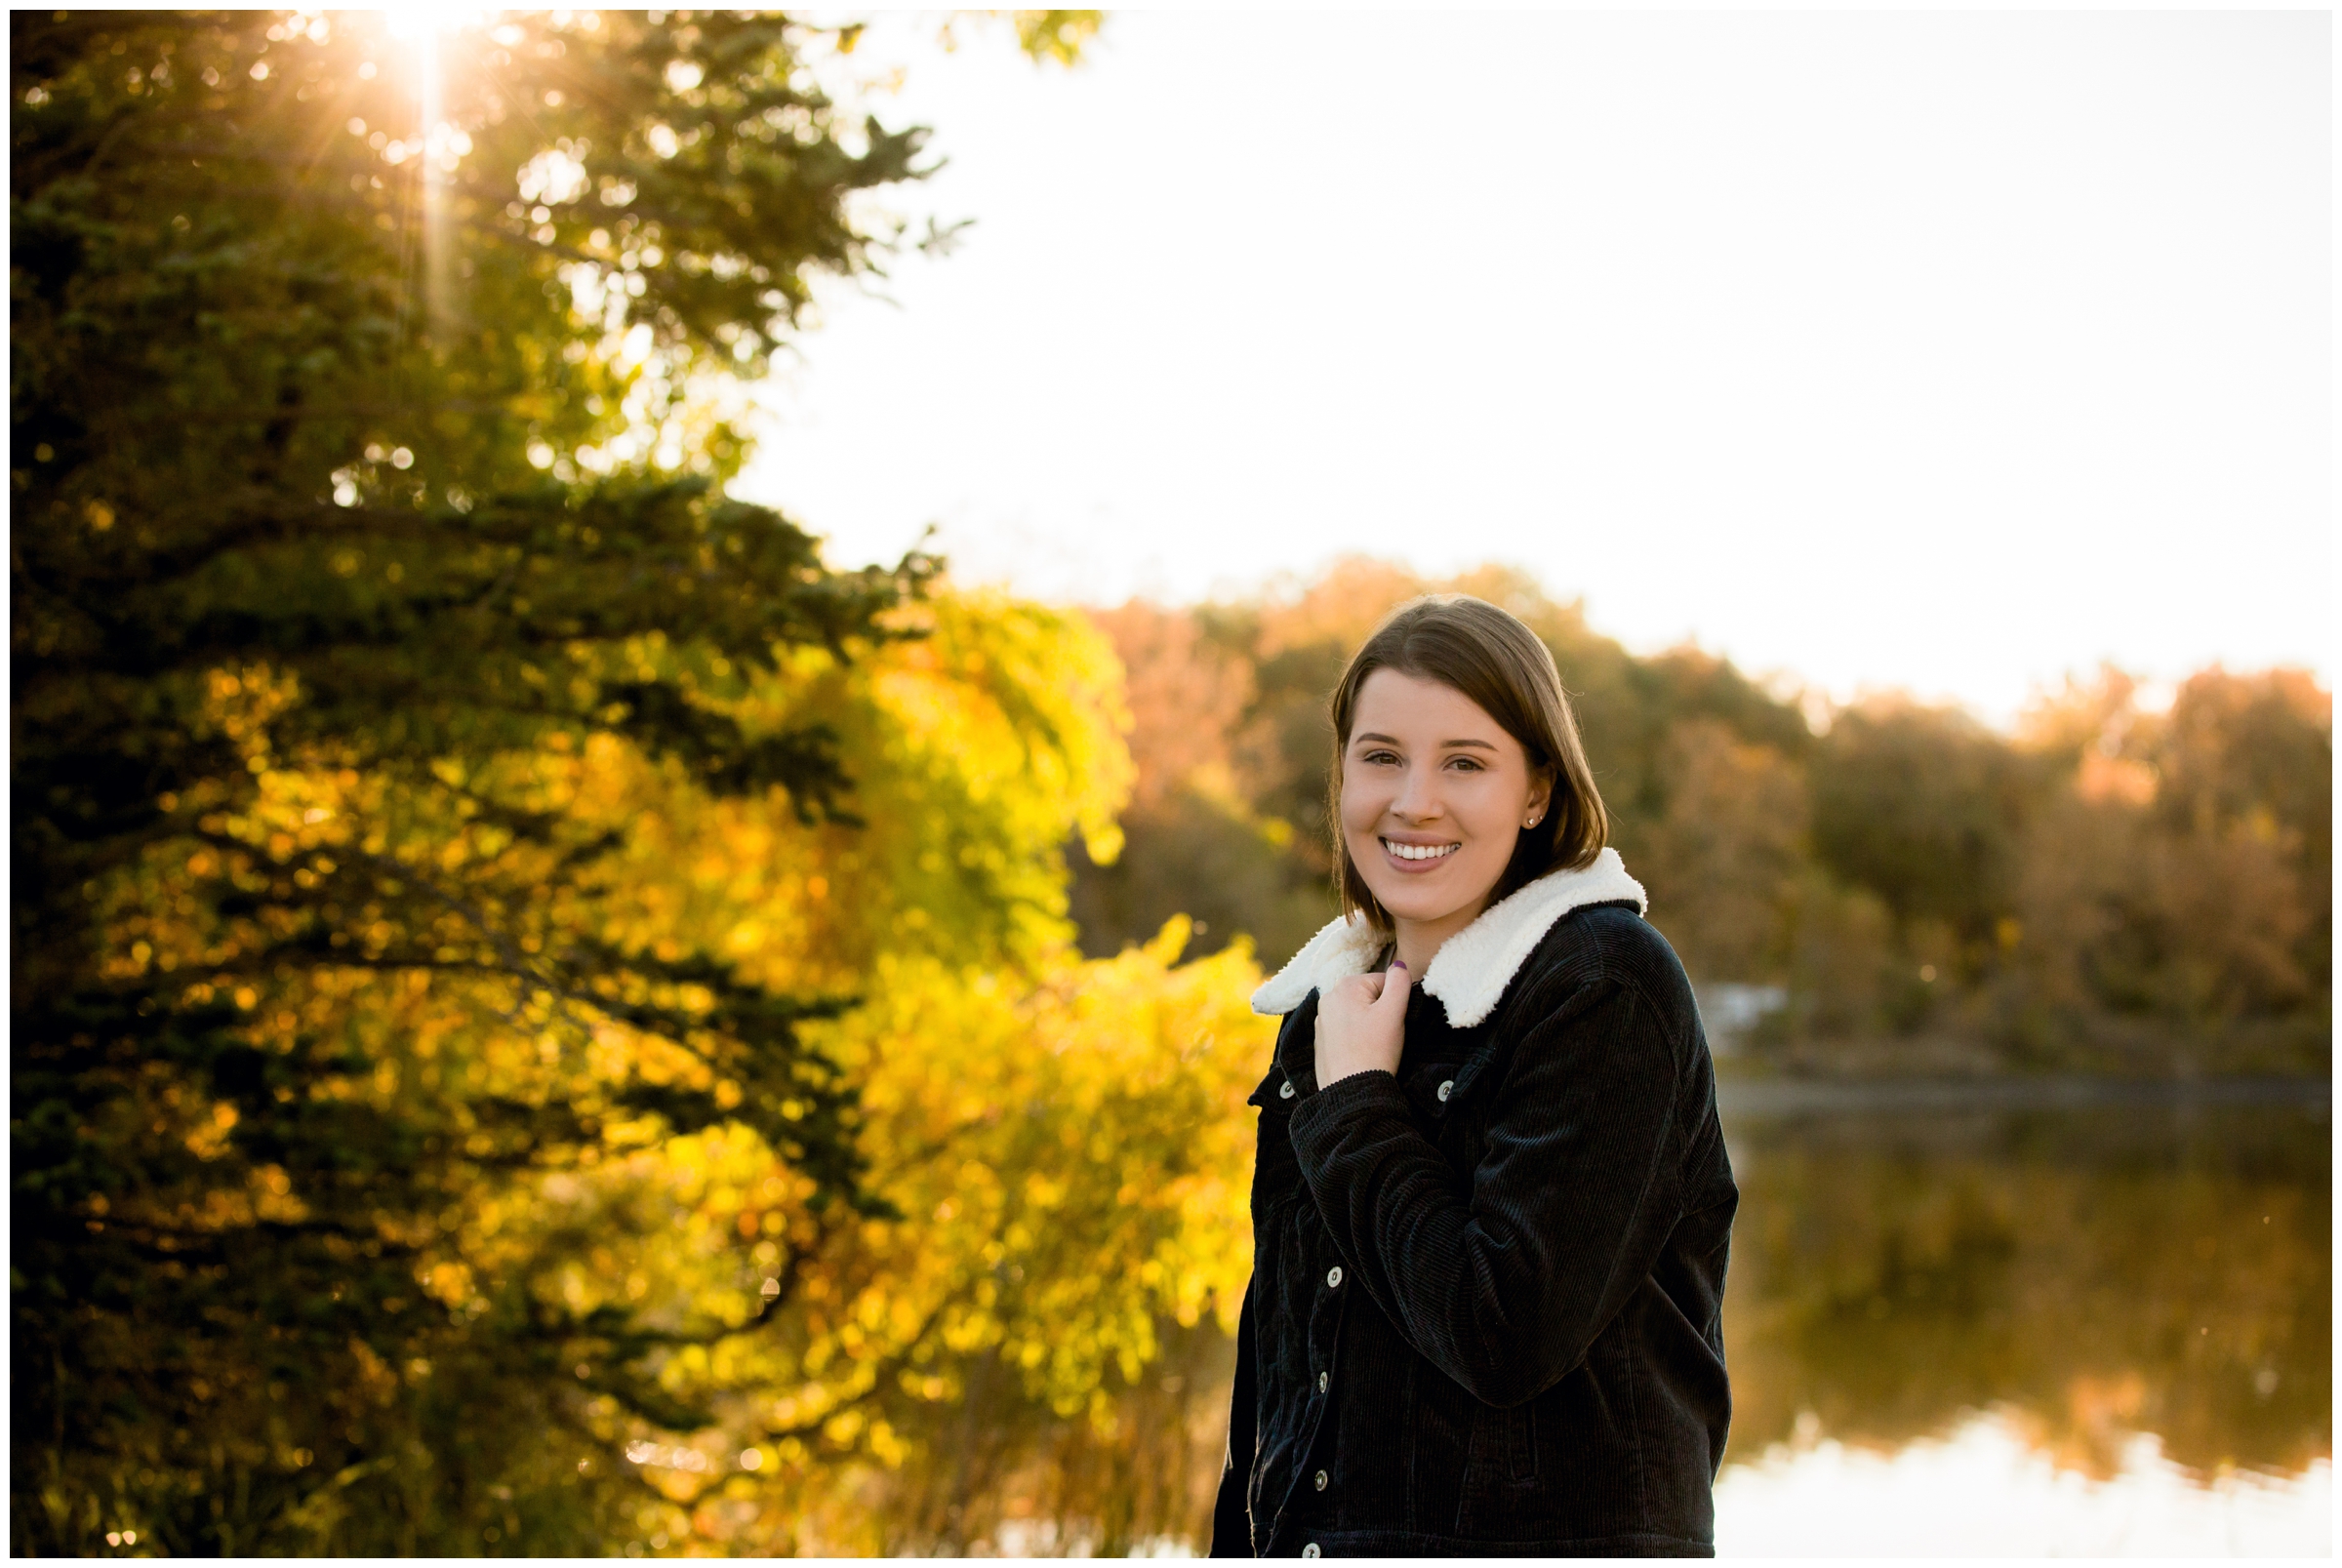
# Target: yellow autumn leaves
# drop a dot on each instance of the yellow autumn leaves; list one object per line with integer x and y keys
{"x": 1057, "y": 1147}
{"x": 1069, "y": 1157}
{"x": 1061, "y": 1141}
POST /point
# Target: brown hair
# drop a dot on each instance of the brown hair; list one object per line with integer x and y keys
{"x": 1488, "y": 655}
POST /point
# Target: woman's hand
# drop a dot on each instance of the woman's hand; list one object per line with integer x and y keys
{"x": 1362, "y": 1024}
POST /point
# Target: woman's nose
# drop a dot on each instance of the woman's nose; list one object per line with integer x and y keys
{"x": 1418, "y": 797}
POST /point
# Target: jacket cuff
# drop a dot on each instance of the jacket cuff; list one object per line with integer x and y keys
{"x": 1322, "y": 1117}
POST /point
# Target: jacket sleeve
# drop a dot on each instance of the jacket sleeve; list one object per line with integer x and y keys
{"x": 1231, "y": 1515}
{"x": 1505, "y": 1282}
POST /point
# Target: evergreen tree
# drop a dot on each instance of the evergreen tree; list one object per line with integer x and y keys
{"x": 366, "y": 489}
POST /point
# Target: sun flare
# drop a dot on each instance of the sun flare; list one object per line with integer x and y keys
{"x": 434, "y": 22}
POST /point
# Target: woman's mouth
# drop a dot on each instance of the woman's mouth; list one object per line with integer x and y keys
{"x": 1417, "y": 857}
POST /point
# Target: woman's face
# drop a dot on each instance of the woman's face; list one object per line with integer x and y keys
{"x": 1434, "y": 793}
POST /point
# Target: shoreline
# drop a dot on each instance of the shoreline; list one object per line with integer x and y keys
{"x": 1757, "y": 1098}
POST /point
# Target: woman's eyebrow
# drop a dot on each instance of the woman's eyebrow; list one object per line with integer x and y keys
{"x": 1392, "y": 739}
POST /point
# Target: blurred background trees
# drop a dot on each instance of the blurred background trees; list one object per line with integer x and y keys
{"x": 1876, "y": 887}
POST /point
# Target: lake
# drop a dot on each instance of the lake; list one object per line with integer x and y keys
{"x": 1999, "y": 1318}
{"x": 2047, "y": 1318}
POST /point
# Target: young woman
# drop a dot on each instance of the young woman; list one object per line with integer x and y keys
{"x": 1491, "y": 1204}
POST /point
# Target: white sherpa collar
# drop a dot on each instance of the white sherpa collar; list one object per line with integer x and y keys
{"x": 1471, "y": 968}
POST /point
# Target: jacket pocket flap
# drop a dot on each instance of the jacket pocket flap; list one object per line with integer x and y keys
{"x": 1266, "y": 1094}
{"x": 1435, "y": 1088}
{"x": 1279, "y": 1089}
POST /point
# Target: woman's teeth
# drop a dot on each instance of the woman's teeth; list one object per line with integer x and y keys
{"x": 1420, "y": 852}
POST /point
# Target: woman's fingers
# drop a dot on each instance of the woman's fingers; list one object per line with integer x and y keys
{"x": 1363, "y": 1025}
{"x": 1376, "y": 986}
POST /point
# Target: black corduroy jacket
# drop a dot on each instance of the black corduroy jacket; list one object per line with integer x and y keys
{"x": 1484, "y": 1316}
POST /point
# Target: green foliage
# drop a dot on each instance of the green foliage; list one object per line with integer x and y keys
{"x": 2250, "y": 752}
{"x": 1924, "y": 807}
{"x": 373, "y": 601}
{"x": 515, "y": 956}
{"x": 1231, "y": 871}
{"x": 2182, "y": 875}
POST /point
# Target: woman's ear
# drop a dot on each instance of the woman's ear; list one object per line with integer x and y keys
{"x": 1541, "y": 796}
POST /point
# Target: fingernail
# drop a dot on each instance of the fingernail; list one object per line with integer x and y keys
{"x": 1399, "y": 963}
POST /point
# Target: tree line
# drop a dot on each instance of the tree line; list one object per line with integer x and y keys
{"x": 2108, "y": 888}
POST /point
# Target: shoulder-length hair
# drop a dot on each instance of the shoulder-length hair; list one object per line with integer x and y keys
{"x": 1490, "y": 655}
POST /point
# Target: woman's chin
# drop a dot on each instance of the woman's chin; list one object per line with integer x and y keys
{"x": 1420, "y": 904}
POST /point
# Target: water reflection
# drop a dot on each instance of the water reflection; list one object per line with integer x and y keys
{"x": 1959, "y": 1322}
{"x": 1985, "y": 1490}
{"x": 2129, "y": 1295}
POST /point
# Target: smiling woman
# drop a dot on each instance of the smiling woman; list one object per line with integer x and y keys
{"x": 1454, "y": 737}
{"x": 1517, "y": 1161}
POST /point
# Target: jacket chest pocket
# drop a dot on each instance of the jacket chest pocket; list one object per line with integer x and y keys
{"x": 1432, "y": 1089}
{"x": 1445, "y": 1097}
{"x": 1444, "y": 1070}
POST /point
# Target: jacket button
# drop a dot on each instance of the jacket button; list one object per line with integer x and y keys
{"x": 1447, "y": 1089}
{"x": 1322, "y": 1380}
{"x": 1310, "y": 1551}
{"x": 1284, "y": 1091}
{"x": 1323, "y": 1478}
{"x": 1333, "y": 1277}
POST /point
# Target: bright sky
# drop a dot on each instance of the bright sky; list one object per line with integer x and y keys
{"x": 1948, "y": 352}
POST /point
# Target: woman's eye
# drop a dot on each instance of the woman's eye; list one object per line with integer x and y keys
{"x": 1382, "y": 756}
{"x": 1468, "y": 764}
